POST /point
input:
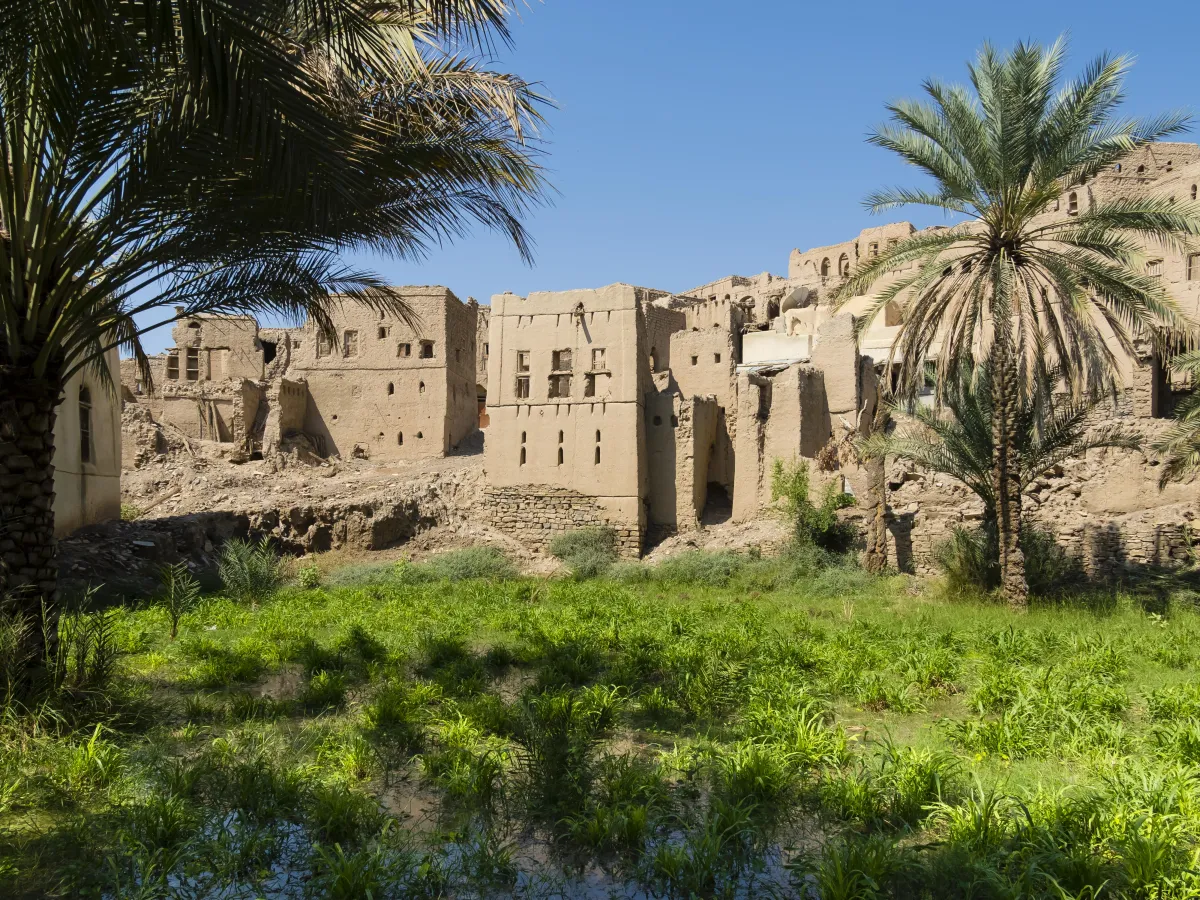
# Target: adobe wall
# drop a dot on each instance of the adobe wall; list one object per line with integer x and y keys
{"x": 228, "y": 347}
{"x": 87, "y": 485}
{"x": 681, "y": 432}
{"x": 376, "y": 395}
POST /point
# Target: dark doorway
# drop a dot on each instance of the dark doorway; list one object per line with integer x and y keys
{"x": 718, "y": 508}
{"x": 270, "y": 348}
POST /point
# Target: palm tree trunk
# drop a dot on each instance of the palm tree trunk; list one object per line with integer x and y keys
{"x": 1006, "y": 472}
{"x": 875, "y": 558}
{"x": 28, "y": 569}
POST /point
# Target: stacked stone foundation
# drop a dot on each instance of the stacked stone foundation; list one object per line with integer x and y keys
{"x": 537, "y": 515}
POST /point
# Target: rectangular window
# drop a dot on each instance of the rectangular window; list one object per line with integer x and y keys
{"x": 426, "y": 349}
{"x": 1193, "y": 267}
{"x": 599, "y": 364}
{"x": 404, "y": 350}
{"x": 485, "y": 351}
{"x": 1154, "y": 268}
{"x": 560, "y": 386}
{"x": 193, "y": 364}
{"x": 560, "y": 361}
{"x": 716, "y": 357}
{"x": 523, "y": 387}
{"x": 695, "y": 360}
{"x": 383, "y": 332}
{"x": 173, "y": 365}
{"x": 85, "y": 426}
{"x": 350, "y": 343}
{"x": 522, "y": 360}
{"x": 589, "y": 385}
{"x": 873, "y": 249}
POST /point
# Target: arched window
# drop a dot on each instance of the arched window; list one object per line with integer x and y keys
{"x": 843, "y": 265}
{"x": 1141, "y": 170}
{"x": 560, "y": 456}
{"x": 597, "y": 435}
{"x": 597, "y": 455}
{"x": 85, "y": 425}
{"x": 522, "y": 437}
{"x": 560, "y": 437}
{"x": 1117, "y": 167}
{"x": 421, "y": 389}
{"x": 1072, "y": 203}
{"x": 400, "y": 439}
{"x": 420, "y": 435}
{"x": 522, "y": 456}
{"x": 825, "y": 267}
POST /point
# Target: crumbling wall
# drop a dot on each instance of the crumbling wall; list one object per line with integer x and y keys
{"x": 536, "y": 514}
{"x": 681, "y": 432}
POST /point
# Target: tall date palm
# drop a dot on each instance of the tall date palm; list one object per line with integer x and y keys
{"x": 218, "y": 156}
{"x": 1028, "y": 290}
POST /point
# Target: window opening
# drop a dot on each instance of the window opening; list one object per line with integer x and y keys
{"x": 597, "y": 435}
{"x": 695, "y": 360}
{"x": 426, "y": 349}
{"x": 560, "y": 361}
{"x": 560, "y": 456}
{"x": 1154, "y": 268}
{"x": 391, "y": 389}
{"x": 85, "y": 425}
{"x": 560, "y": 437}
{"x": 173, "y": 365}
{"x": 522, "y": 360}
{"x": 350, "y": 343}
{"x": 1193, "y": 267}
{"x": 400, "y": 439}
{"x": 421, "y": 389}
{"x": 193, "y": 364}
{"x": 404, "y": 350}
{"x": 716, "y": 357}
{"x": 522, "y": 456}
{"x": 658, "y": 420}
{"x": 270, "y": 351}
{"x": 1072, "y": 204}
{"x": 560, "y": 386}
{"x": 589, "y": 385}
{"x": 597, "y": 455}
{"x": 523, "y": 387}
{"x": 599, "y": 364}
{"x": 383, "y": 332}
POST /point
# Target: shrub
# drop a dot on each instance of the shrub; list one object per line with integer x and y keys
{"x": 471, "y": 562}
{"x": 250, "y": 572}
{"x": 589, "y": 552}
{"x": 309, "y": 577}
{"x": 971, "y": 560}
{"x": 700, "y": 567}
{"x": 814, "y": 524}
{"x": 180, "y": 593}
{"x": 130, "y": 513}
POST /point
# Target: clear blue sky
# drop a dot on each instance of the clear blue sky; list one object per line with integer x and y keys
{"x": 693, "y": 140}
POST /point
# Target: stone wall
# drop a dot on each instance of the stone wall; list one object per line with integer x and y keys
{"x": 536, "y": 514}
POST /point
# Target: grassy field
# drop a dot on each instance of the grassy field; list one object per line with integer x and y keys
{"x": 718, "y": 727}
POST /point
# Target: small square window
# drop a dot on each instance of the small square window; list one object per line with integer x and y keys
{"x": 426, "y": 349}
{"x": 1154, "y": 268}
{"x": 350, "y": 343}
{"x": 523, "y": 387}
{"x": 695, "y": 360}
{"x": 522, "y": 360}
{"x": 404, "y": 350}
{"x": 383, "y": 331}
{"x": 599, "y": 364}
{"x": 561, "y": 361}
{"x": 716, "y": 357}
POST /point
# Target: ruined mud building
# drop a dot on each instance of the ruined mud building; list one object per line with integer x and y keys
{"x": 645, "y": 410}
{"x": 385, "y": 390}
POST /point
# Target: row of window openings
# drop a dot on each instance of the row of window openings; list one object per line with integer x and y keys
{"x": 350, "y": 345}
{"x": 1073, "y": 198}
{"x": 843, "y": 265}
{"x": 391, "y": 388}
{"x": 560, "y": 379}
{"x": 192, "y": 370}
{"x": 596, "y": 457}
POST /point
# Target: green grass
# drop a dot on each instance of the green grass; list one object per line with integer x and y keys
{"x": 718, "y": 726}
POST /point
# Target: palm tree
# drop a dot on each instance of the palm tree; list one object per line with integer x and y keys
{"x": 1029, "y": 291}
{"x": 1179, "y": 445}
{"x": 217, "y": 157}
{"x": 1045, "y": 432}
